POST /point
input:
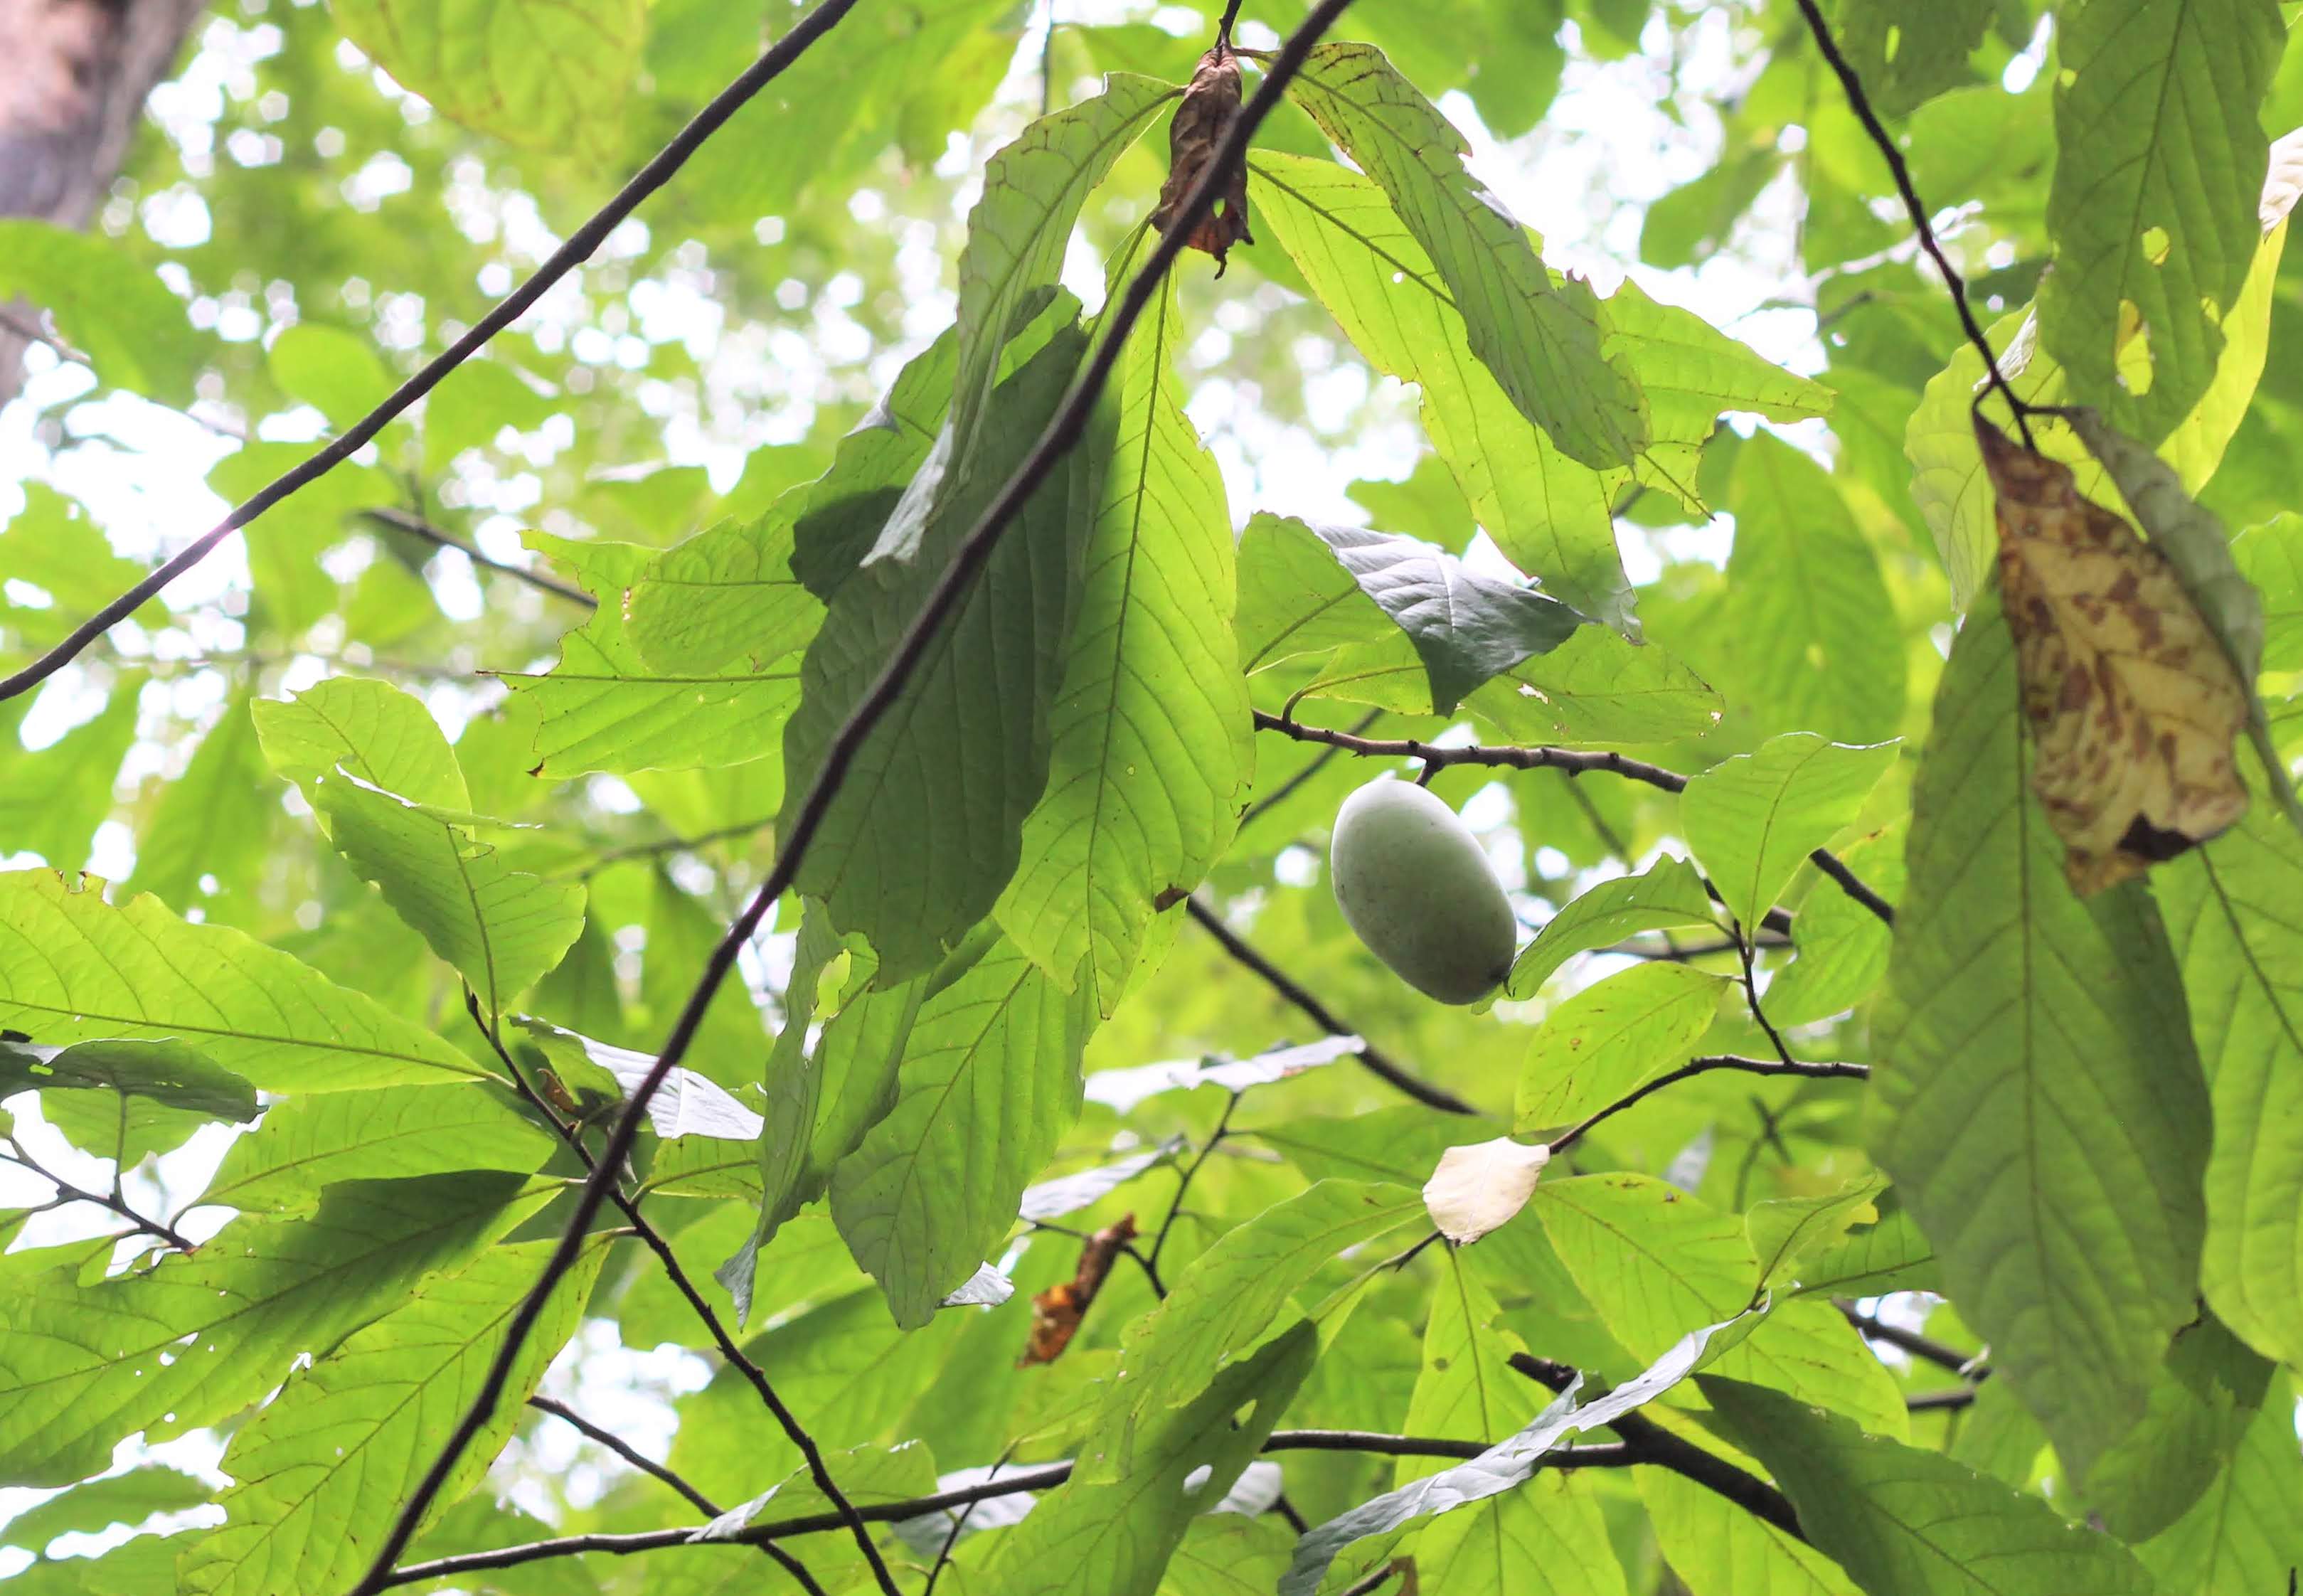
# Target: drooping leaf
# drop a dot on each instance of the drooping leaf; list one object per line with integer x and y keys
{"x": 2229, "y": 913}
{"x": 2025, "y": 1032}
{"x": 551, "y": 76}
{"x": 1296, "y": 597}
{"x": 1754, "y": 819}
{"x": 2153, "y": 213}
{"x": 73, "y": 968}
{"x": 1665, "y": 897}
{"x": 95, "y": 1363}
{"x": 1612, "y": 1038}
{"x": 1547, "y": 343}
{"x": 1210, "y": 106}
{"x": 1905, "y": 1522}
{"x": 926, "y": 829}
{"x": 989, "y": 1082}
{"x": 2132, "y": 702}
{"x": 1152, "y": 739}
{"x": 325, "y": 1465}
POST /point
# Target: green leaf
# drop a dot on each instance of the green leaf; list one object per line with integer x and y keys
{"x": 2230, "y": 910}
{"x": 2206, "y": 1392}
{"x": 867, "y": 1477}
{"x": 73, "y": 968}
{"x": 1229, "y": 1554}
{"x": 128, "y": 1498}
{"x": 604, "y": 709}
{"x": 1296, "y": 597}
{"x": 321, "y": 1472}
{"x": 55, "y": 544}
{"x": 1810, "y": 630}
{"x": 1841, "y": 947}
{"x": 52, "y": 801}
{"x": 1016, "y": 234}
{"x": 1906, "y": 52}
{"x": 335, "y": 372}
{"x": 123, "y": 1100}
{"x": 1547, "y": 1537}
{"x": 1466, "y": 627}
{"x": 1716, "y": 1548}
{"x": 2153, "y": 210}
{"x": 909, "y": 858}
{"x": 1656, "y": 1263}
{"x": 2270, "y": 558}
{"x": 97, "y": 1362}
{"x": 1109, "y": 1529}
{"x": 989, "y": 1084}
{"x": 212, "y": 820}
{"x": 1754, "y": 819}
{"x": 1547, "y": 343}
{"x": 1665, "y": 897}
{"x": 306, "y": 1144}
{"x": 1785, "y": 1232}
{"x": 106, "y": 305}
{"x": 1552, "y": 515}
{"x": 1905, "y": 1522}
{"x": 1613, "y": 1037}
{"x": 725, "y": 592}
{"x": 1225, "y": 1303}
{"x": 2240, "y": 1537}
{"x": 473, "y": 404}
{"x": 548, "y": 76}
{"x": 1152, "y": 739}
{"x": 2025, "y": 1035}
{"x": 1873, "y": 1260}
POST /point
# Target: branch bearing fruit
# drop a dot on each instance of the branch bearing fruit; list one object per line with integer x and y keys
{"x": 1416, "y": 888}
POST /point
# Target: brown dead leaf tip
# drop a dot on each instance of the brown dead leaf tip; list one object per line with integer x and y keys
{"x": 1057, "y": 1311}
{"x": 1209, "y": 104}
{"x": 2132, "y": 704}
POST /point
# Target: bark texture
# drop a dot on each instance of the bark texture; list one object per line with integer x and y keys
{"x": 73, "y": 75}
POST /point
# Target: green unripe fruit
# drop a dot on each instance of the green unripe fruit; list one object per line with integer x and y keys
{"x": 1414, "y": 886}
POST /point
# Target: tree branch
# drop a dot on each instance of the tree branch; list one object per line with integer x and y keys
{"x": 1575, "y": 762}
{"x": 1320, "y": 1015}
{"x": 1861, "y": 103}
{"x": 1288, "y": 788}
{"x": 1704, "y": 1067}
{"x": 577, "y": 250}
{"x": 1648, "y": 1441}
{"x": 66, "y": 1192}
{"x": 1924, "y": 1348}
{"x": 416, "y": 526}
{"x": 1063, "y": 431}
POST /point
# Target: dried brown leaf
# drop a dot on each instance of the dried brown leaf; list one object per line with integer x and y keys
{"x": 1057, "y": 1311}
{"x": 2133, "y": 702}
{"x": 1210, "y": 103}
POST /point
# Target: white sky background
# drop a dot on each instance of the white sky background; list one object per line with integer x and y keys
{"x": 1605, "y": 150}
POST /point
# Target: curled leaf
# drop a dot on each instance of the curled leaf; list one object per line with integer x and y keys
{"x": 1209, "y": 104}
{"x": 1478, "y": 1188}
{"x": 2133, "y": 702}
{"x": 1057, "y": 1311}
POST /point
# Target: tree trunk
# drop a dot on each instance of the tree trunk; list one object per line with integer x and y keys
{"x": 73, "y": 74}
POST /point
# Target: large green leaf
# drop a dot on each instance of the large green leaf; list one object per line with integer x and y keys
{"x": 604, "y": 709}
{"x": 1152, "y": 739}
{"x": 323, "y": 1470}
{"x": 1109, "y": 1529}
{"x": 348, "y": 743}
{"x": 2242, "y": 1536}
{"x": 1754, "y": 819}
{"x": 106, "y": 305}
{"x": 2025, "y": 1036}
{"x": 726, "y": 592}
{"x": 73, "y": 968}
{"x": 1909, "y": 1522}
{"x": 212, "y": 820}
{"x": 306, "y": 1144}
{"x": 1906, "y": 52}
{"x": 1809, "y": 624}
{"x": 926, "y": 828}
{"x": 1716, "y": 1548}
{"x": 1611, "y": 1037}
{"x": 548, "y": 73}
{"x": 2153, "y": 212}
{"x": 91, "y": 1365}
{"x": 1546, "y": 343}
{"x": 2232, "y": 913}
{"x": 1016, "y": 234}
{"x": 1296, "y": 597}
{"x": 1667, "y": 896}
{"x": 989, "y": 1084}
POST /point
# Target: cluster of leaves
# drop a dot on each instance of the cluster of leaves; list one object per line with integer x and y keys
{"x": 1924, "y": 1226}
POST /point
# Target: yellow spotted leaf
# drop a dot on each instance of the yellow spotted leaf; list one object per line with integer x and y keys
{"x": 2134, "y": 704}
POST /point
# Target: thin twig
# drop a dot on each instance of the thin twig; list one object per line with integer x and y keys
{"x": 416, "y": 526}
{"x": 66, "y": 1192}
{"x": 31, "y": 332}
{"x": 1861, "y": 103}
{"x": 1223, "y": 26}
{"x": 1956, "y": 1397}
{"x": 1703, "y": 1067}
{"x": 1320, "y": 1015}
{"x": 1575, "y": 762}
{"x": 577, "y": 250}
{"x": 627, "y": 1452}
{"x": 1650, "y": 1442}
{"x": 960, "y": 1524}
{"x": 641, "y": 850}
{"x": 1293, "y": 784}
{"x": 1751, "y": 996}
{"x": 1968, "y": 1366}
{"x": 1063, "y": 431}
{"x": 1184, "y": 1183}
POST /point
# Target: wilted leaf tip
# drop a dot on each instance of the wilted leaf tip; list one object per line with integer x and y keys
{"x": 1210, "y": 103}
